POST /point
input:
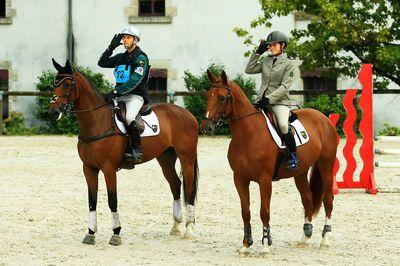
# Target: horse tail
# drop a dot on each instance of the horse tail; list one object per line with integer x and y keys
{"x": 316, "y": 189}
{"x": 195, "y": 182}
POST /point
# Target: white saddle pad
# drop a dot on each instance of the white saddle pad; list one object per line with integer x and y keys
{"x": 300, "y": 134}
{"x": 151, "y": 125}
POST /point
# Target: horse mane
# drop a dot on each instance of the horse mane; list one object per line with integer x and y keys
{"x": 91, "y": 84}
{"x": 238, "y": 89}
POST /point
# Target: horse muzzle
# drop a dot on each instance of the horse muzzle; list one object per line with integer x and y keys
{"x": 55, "y": 113}
{"x": 208, "y": 127}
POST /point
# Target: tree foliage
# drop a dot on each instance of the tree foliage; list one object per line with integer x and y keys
{"x": 340, "y": 35}
{"x": 196, "y": 104}
{"x": 67, "y": 124}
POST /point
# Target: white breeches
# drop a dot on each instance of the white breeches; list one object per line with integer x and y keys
{"x": 133, "y": 104}
{"x": 282, "y": 116}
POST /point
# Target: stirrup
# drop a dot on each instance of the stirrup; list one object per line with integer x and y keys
{"x": 292, "y": 163}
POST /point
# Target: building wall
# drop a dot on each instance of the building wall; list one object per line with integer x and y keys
{"x": 194, "y": 35}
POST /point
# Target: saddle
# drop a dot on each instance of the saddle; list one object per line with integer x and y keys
{"x": 282, "y": 152}
{"x": 121, "y": 115}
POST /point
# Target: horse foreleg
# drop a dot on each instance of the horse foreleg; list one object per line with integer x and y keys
{"x": 242, "y": 187}
{"x": 111, "y": 182}
{"x": 307, "y": 200}
{"x": 265, "y": 195}
{"x": 190, "y": 174}
{"x": 91, "y": 175}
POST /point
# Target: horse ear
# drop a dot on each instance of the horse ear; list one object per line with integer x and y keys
{"x": 68, "y": 66}
{"x": 224, "y": 77}
{"x": 211, "y": 76}
{"x": 56, "y": 65}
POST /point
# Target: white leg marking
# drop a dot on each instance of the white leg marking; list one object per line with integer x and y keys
{"x": 177, "y": 210}
{"x": 115, "y": 220}
{"x": 189, "y": 214}
{"x": 190, "y": 219}
{"x": 92, "y": 222}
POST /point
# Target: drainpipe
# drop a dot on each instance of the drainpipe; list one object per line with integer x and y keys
{"x": 70, "y": 37}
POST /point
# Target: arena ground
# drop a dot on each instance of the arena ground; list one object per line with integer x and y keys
{"x": 44, "y": 214}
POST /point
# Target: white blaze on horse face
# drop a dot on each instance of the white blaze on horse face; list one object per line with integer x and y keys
{"x": 92, "y": 223}
{"x": 176, "y": 206}
{"x": 208, "y": 112}
{"x": 115, "y": 220}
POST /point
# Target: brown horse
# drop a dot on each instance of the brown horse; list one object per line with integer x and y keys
{"x": 101, "y": 149}
{"x": 253, "y": 154}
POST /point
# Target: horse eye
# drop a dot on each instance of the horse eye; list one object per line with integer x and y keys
{"x": 221, "y": 98}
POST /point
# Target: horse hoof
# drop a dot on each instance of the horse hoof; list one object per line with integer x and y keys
{"x": 175, "y": 231}
{"x": 115, "y": 240}
{"x": 326, "y": 241}
{"x": 304, "y": 242}
{"x": 88, "y": 239}
{"x": 190, "y": 231}
{"x": 244, "y": 252}
{"x": 264, "y": 251}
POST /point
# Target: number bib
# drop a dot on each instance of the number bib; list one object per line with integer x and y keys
{"x": 122, "y": 73}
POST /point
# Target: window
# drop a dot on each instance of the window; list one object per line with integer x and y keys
{"x": 2, "y": 8}
{"x": 319, "y": 84}
{"x": 4, "y": 87}
{"x": 158, "y": 83}
{"x": 151, "y": 8}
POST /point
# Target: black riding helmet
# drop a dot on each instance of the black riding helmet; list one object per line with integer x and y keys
{"x": 277, "y": 36}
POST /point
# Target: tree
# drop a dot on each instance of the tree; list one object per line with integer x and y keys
{"x": 341, "y": 35}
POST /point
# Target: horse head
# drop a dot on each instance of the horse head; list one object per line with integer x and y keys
{"x": 64, "y": 88}
{"x": 218, "y": 105}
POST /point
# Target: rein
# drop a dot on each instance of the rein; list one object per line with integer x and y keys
{"x": 68, "y": 110}
{"x": 112, "y": 131}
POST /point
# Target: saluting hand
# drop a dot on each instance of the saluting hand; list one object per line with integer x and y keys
{"x": 262, "y": 48}
{"x": 115, "y": 42}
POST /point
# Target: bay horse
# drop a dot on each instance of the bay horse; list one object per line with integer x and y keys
{"x": 104, "y": 152}
{"x": 253, "y": 154}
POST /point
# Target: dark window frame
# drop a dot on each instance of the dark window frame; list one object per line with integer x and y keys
{"x": 152, "y": 13}
{"x": 3, "y": 8}
{"x": 315, "y": 81}
{"x": 4, "y": 80}
{"x": 158, "y": 82}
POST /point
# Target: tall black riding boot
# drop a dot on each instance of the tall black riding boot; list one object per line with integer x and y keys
{"x": 292, "y": 161}
{"x": 134, "y": 150}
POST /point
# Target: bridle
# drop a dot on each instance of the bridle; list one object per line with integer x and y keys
{"x": 69, "y": 106}
{"x": 222, "y": 115}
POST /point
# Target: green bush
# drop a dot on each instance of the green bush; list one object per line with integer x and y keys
{"x": 328, "y": 106}
{"x": 67, "y": 124}
{"x": 14, "y": 125}
{"x": 389, "y": 130}
{"x": 196, "y": 104}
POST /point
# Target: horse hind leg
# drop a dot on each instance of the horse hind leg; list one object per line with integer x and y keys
{"x": 190, "y": 174}
{"x": 167, "y": 162}
{"x": 327, "y": 184}
{"x": 307, "y": 201}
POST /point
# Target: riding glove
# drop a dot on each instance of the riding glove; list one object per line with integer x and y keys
{"x": 115, "y": 42}
{"x": 262, "y": 104}
{"x": 262, "y": 48}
